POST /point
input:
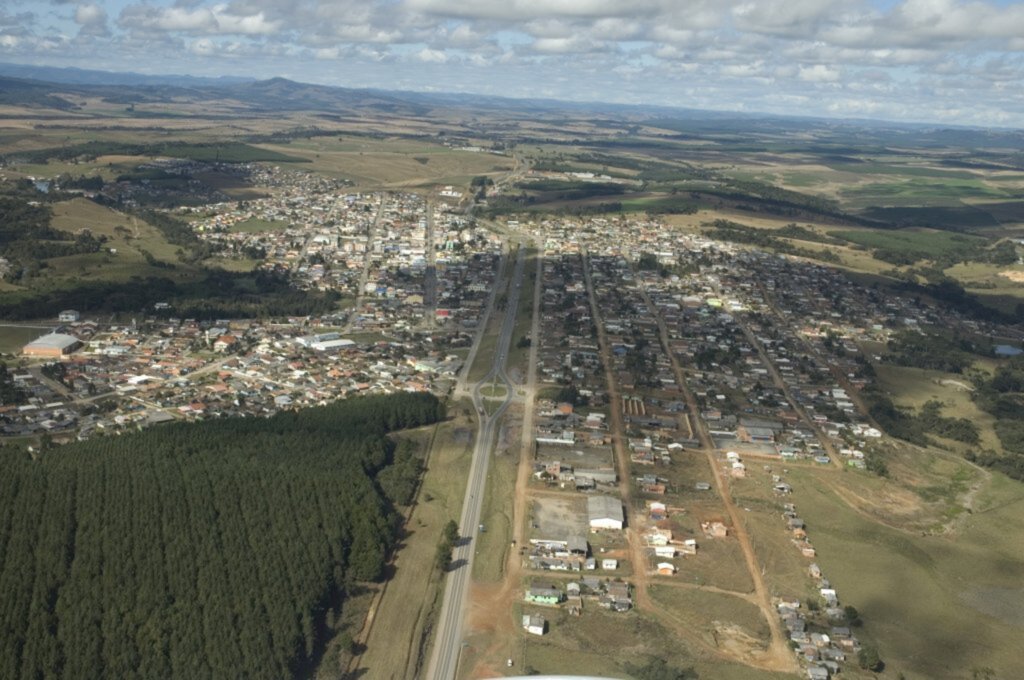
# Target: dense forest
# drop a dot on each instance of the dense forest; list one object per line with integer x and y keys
{"x": 218, "y": 294}
{"x": 207, "y": 550}
{"x": 223, "y": 152}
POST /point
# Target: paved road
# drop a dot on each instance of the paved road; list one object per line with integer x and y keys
{"x": 430, "y": 274}
{"x": 444, "y": 659}
{"x": 364, "y": 276}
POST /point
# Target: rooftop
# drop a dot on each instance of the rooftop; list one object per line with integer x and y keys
{"x": 53, "y": 341}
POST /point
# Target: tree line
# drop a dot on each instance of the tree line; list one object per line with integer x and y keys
{"x": 218, "y": 294}
{"x": 726, "y": 230}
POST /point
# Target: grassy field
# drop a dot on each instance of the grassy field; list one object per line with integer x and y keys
{"x": 913, "y": 191}
{"x": 127, "y": 234}
{"x": 927, "y": 600}
{"x": 130, "y": 243}
{"x": 13, "y": 338}
{"x": 914, "y": 386}
{"x": 255, "y": 225}
{"x": 602, "y": 644}
{"x": 988, "y": 279}
{"x": 719, "y": 563}
{"x": 107, "y": 167}
{"x": 488, "y": 344}
{"x": 658, "y": 203}
{"x": 494, "y": 391}
{"x": 702, "y": 610}
{"x": 402, "y": 622}
{"x": 231, "y": 264}
{"x": 785, "y": 569}
{"x": 929, "y": 242}
{"x": 393, "y": 162}
{"x": 518, "y": 357}
{"x": 492, "y": 545}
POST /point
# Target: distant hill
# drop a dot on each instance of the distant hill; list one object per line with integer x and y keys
{"x": 79, "y": 76}
{"x": 55, "y": 88}
{"x": 19, "y": 92}
{"x": 287, "y": 95}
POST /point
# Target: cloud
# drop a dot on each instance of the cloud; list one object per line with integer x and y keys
{"x": 430, "y": 56}
{"x": 218, "y": 19}
{"x": 900, "y": 58}
{"x": 567, "y": 45}
{"x": 92, "y": 19}
{"x": 515, "y": 10}
{"x": 819, "y": 73}
{"x": 787, "y": 18}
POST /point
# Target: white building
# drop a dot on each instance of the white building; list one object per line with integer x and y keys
{"x": 605, "y": 512}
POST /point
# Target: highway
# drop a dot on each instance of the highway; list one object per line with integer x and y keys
{"x": 444, "y": 658}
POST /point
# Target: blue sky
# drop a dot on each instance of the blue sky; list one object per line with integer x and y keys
{"x": 945, "y": 61}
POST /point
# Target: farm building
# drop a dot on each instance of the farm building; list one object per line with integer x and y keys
{"x": 52, "y": 345}
{"x": 544, "y": 594}
{"x": 605, "y": 512}
{"x": 535, "y": 625}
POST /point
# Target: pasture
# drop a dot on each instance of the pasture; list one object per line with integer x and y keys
{"x": 13, "y": 338}
{"x": 392, "y": 162}
{"x": 912, "y": 387}
{"x": 926, "y": 598}
{"x": 932, "y": 243}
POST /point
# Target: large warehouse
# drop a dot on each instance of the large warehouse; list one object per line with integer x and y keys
{"x": 605, "y": 512}
{"x": 52, "y": 345}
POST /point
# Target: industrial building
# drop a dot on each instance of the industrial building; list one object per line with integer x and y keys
{"x": 604, "y": 512}
{"x": 52, "y": 345}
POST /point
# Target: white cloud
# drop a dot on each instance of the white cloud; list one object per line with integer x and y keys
{"x": 515, "y": 10}
{"x": 218, "y": 19}
{"x": 569, "y": 45}
{"x": 901, "y": 58}
{"x": 88, "y": 15}
{"x": 743, "y": 70}
{"x": 202, "y": 47}
{"x": 92, "y": 19}
{"x": 430, "y": 56}
{"x": 327, "y": 53}
{"x": 784, "y": 17}
{"x": 819, "y": 73}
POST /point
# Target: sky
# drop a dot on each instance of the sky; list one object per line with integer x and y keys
{"x": 942, "y": 61}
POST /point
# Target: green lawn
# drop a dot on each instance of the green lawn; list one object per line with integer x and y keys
{"x": 13, "y": 338}
{"x": 255, "y": 225}
{"x": 914, "y": 386}
{"x": 492, "y": 545}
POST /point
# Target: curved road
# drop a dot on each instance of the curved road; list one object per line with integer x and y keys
{"x": 444, "y": 659}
